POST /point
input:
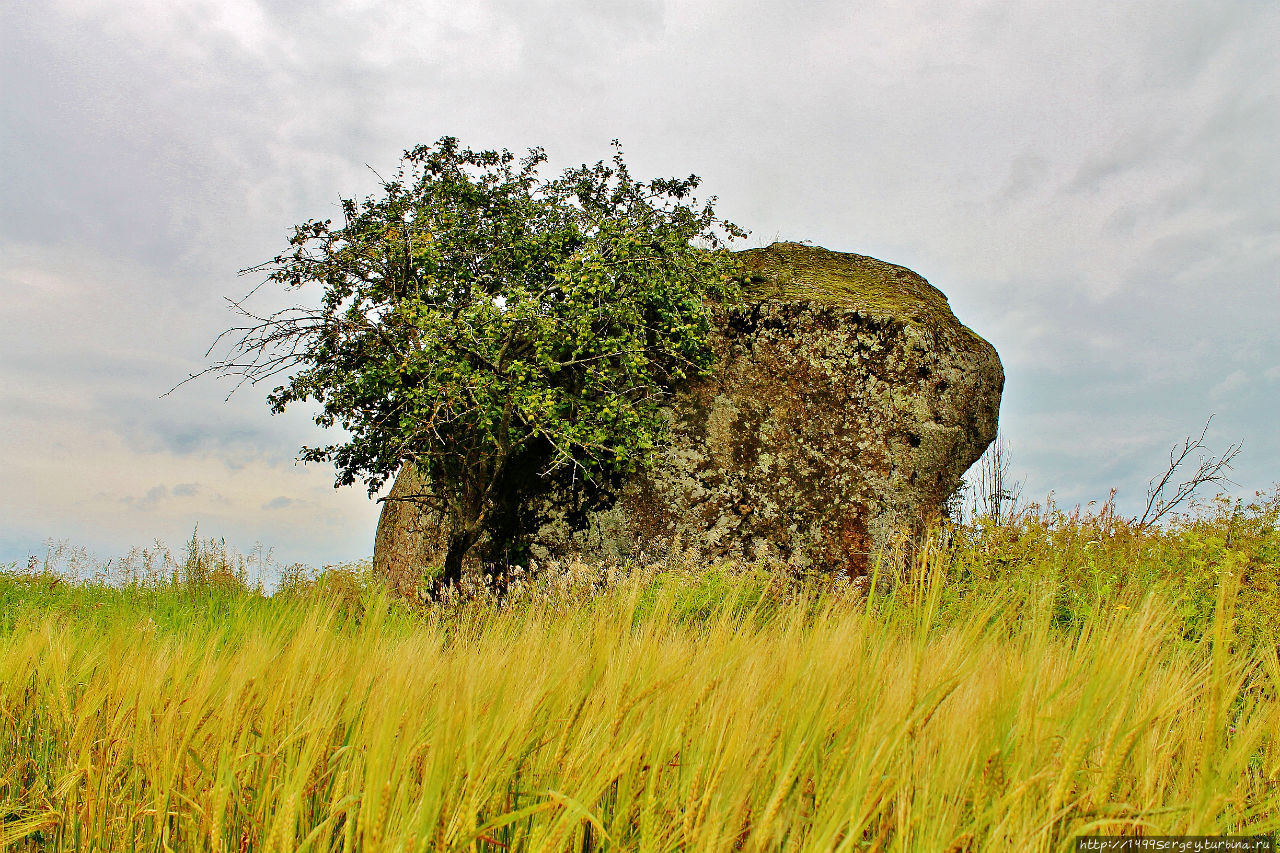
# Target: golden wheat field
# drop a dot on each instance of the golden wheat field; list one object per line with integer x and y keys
{"x": 1015, "y": 687}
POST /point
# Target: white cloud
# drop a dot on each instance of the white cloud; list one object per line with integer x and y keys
{"x": 67, "y": 479}
{"x": 1230, "y": 384}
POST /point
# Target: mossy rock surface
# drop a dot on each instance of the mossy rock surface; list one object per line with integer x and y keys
{"x": 846, "y": 404}
{"x": 789, "y": 272}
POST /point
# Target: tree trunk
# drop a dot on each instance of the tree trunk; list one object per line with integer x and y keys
{"x": 460, "y": 543}
{"x": 468, "y": 522}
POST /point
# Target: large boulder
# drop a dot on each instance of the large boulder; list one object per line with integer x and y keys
{"x": 846, "y": 404}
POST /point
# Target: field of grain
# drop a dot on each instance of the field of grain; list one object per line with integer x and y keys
{"x": 1018, "y": 685}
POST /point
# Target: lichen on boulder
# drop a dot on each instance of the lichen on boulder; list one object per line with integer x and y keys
{"x": 846, "y": 404}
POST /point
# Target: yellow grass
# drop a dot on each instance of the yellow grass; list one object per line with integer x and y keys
{"x": 815, "y": 721}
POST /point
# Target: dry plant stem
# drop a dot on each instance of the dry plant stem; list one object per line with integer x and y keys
{"x": 992, "y": 491}
{"x": 1211, "y": 470}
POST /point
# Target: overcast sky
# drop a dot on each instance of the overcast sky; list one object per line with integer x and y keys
{"x": 1095, "y": 185}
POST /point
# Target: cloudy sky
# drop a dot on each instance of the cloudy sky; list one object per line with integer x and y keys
{"x": 1095, "y": 185}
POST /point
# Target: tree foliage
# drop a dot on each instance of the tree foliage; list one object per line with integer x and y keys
{"x": 498, "y": 329}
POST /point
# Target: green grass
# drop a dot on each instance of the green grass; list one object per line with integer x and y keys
{"x": 1019, "y": 685}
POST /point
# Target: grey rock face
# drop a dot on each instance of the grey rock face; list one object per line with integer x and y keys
{"x": 846, "y": 405}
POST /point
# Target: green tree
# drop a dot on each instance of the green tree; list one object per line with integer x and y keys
{"x": 500, "y": 330}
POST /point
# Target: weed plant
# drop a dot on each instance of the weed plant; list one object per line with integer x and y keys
{"x": 1011, "y": 686}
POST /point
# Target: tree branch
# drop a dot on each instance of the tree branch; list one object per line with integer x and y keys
{"x": 1209, "y": 470}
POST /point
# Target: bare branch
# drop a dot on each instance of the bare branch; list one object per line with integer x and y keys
{"x": 1209, "y": 469}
